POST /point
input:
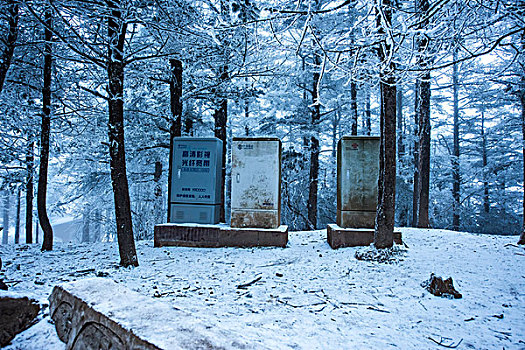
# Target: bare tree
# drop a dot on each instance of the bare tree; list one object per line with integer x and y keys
{"x": 384, "y": 227}
{"x": 423, "y": 112}
{"x": 522, "y": 102}
{"x": 117, "y": 28}
{"x": 29, "y": 192}
{"x": 43, "y": 218}
{"x": 456, "y": 176}
{"x": 5, "y": 231}
{"x": 313, "y": 180}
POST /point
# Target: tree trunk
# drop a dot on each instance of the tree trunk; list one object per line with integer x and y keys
{"x": 221, "y": 121}
{"x": 37, "y": 231}
{"x": 43, "y": 218}
{"x": 175, "y": 98}
{"x": 85, "y": 225}
{"x": 368, "y": 113}
{"x": 415, "y": 179}
{"x": 97, "y": 222}
{"x": 522, "y": 100}
{"x": 157, "y": 195}
{"x": 456, "y": 176}
{"x": 176, "y": 113}
{"x": 486, "y": 202}
{"x": 353, "y": 95}
{"x": 335, "y": 127}
{"x": 29, "y": 193}
{"x": 5, "y": 231}
{"x": 17, "y": 221}
{"x": 400, "y": 136}
{"x": 10, "y": 43}
{"x": 423, "y": 110}
{"x": 115, "y": 68}
{"x": 313, "y": 178}
{"x": 384, "y": 227}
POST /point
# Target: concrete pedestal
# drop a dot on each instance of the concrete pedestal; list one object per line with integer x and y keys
{"x": 215, "y": 236}
{"x": 98, "y": 313}
{"x": 339, "y": 237}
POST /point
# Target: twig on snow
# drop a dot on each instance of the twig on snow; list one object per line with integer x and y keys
{"x": 377, "y": 309}
{"x": 246, "y": 285}
{"x": 441, "y": 343}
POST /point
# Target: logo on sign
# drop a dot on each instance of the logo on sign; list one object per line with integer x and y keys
{"x": 241, "y": 146}
{"x": 355, "y": 146}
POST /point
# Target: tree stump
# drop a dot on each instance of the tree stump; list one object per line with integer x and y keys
{"x": 17, "y": 314}
{"x": 441, "y": 288}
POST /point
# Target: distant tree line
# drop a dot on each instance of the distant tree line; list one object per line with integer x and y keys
{"x": 91, "y": 92}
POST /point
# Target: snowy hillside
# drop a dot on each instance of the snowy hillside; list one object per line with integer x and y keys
{"x": 308, "y": 295}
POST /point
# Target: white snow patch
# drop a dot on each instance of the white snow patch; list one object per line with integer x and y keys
{"x": 309, "y": 296}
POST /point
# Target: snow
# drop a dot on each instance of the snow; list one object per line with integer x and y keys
{"x": 309, "y": 296}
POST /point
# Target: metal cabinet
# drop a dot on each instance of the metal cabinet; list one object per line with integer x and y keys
{"x": 195, "y": 180}
{"x": 357, "y": 176}
{"x": 256, "y": 183}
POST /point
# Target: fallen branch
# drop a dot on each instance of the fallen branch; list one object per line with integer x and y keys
{"x": 81, "y": 272}
{"x": 246, "y": 285}
{"x": 377, "y": 309}
{"x": 299, "y": 306}
{"x": 450, "y": 346}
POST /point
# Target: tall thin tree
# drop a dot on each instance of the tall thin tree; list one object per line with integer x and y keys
{"x": 117, "y": 28}
{"x": 5, "y": 230}
{"x": 522, "y": 103}
{"x": 45, "y": 132}
{"x": 29, "y": 192}
{"x": 456, "y": 176}
{"x": 176, "y": 113}
{"x": 384, "y": 226}
{"x": 423, "y": 112}
{"x": 315, "y": 117}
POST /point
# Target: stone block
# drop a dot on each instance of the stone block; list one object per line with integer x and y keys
{"x": 339, "y": 237}
{"x": 213, "y": 236}
{"x": 186, "y": 235}
{"x": 98, "y": 313}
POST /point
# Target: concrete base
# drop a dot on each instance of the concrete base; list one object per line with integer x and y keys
{"x": 98, "y": 313}
{"x": 215, "y": 236}
{"x": 339, "y": 237}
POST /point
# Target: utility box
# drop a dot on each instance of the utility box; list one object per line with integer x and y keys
{"x": 357, "y": 176}
{"x": 195, "y": 182}
{"x": 256, "y": 183}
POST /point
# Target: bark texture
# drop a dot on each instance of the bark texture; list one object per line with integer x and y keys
{"x": 423, "y": 111}
{"x": 115, "y": 69}
{"x": 484, "y": 163}
{"x": 384, "y": 227}
{"x": 47, "y": 243}
{"x": 522, "y": 101}
{"x": 313, "y": 177}
{"x": 17, "y": 219}
{"x": 221, "y": 121}
{"x": 29, "y": 193}
{"x": 353, "y": 96}
{"x": 176, "y": 113}
{"x": 5, "y": 230}
{"x": 456, "y": 176}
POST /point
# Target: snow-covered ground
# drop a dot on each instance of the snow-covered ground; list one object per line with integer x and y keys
{"x": 308, "y": 296}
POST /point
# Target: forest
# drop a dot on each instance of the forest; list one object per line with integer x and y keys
{"x": 91, "y": 92}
